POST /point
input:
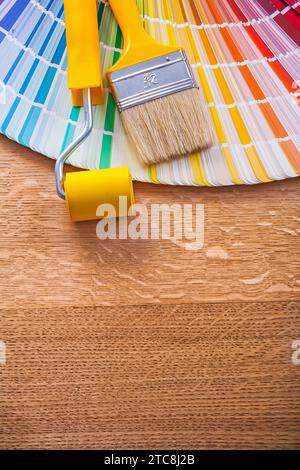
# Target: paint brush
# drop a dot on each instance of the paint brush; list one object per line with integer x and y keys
{"x": 162, "y": 109}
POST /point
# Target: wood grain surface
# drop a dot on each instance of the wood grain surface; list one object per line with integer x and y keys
{"x": 143, "y": 344}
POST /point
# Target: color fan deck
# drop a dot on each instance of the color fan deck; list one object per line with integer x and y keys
{"x": 245, "y": 55}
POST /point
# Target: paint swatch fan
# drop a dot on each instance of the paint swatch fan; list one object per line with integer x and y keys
{"x": 245, "y": 56}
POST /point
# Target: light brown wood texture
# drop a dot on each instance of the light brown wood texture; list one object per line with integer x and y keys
{"x": 142, "y": 344}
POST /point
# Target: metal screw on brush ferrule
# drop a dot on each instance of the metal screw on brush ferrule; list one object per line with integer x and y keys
{"x": 88, "y": 126}
{"x": 152, "y": 79}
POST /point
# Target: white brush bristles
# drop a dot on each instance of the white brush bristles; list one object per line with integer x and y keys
{"x": 169, "y": 127}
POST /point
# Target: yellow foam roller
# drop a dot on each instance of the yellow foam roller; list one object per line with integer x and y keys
{"x": 86, "y": 190}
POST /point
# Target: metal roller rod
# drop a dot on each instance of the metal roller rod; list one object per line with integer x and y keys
{"x": 88, "y": 126}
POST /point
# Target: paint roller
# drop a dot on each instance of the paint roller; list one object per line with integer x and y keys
{"x": 85, "y": 191}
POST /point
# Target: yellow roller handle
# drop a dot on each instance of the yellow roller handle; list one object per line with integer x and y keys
{"x": 138, "y": 45}
{"x": 84, "y": 63}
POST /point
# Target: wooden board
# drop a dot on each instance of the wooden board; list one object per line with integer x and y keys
{"x": 142, "y": 344}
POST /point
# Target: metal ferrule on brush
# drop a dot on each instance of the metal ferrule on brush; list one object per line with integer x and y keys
{"x": 152, "y": 79}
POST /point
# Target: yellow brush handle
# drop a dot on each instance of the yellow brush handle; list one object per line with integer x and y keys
{"x": 138, "y": 45}
{"x": 84, "y": 65}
